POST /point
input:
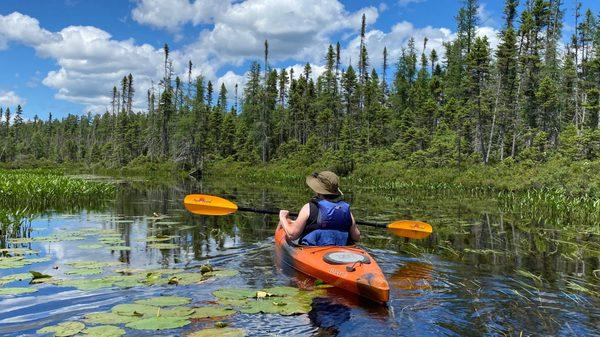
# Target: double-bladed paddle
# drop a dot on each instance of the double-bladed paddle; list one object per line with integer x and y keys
{"x": 204, "y": 204}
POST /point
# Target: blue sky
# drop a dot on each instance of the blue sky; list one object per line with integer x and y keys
{"x": 64, "y": 56}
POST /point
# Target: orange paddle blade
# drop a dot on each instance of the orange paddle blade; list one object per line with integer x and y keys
{"x": 410, "y": 229}
{"x": 204, "y": 204}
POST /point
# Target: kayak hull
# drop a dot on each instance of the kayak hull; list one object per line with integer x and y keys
{"x": 364, "y": 278}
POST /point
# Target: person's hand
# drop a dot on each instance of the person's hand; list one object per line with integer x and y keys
{"x": 284, "y": 214}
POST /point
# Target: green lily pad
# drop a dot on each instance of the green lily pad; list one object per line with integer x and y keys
{"x": 212, "y": 312}
{"x": 187, "y": 278}
{"x": 108, "y": 318}
{"x": 222, "y": 273}
{"x": 84, "y": 271}
{"x": 14, "y": 277}
{"x": 50, "y": 238}
{"x": 221, "y": 332}
{"x": 126, "y": 281}
{"x": 234, "y": 294}
{"x": 38, "y": 260}
{"x": 64, "y": 329}
{"x": 93, "y": 264}
{"x": 16, "y": 291}
{"x": 269, "y": 306}
{"x": 155, "y": 279}
{"x": 164, "y": 301}
{"x": 176, "y": 312}
{"x": 167, "y": 223}
{"x": 135, "y": 310}
{"x": 163, "y": 246}
{"x": 104, "y": 331}
{"x": 91, "y": 246}
{"x": 20, "y": 240}
{"x": 158, "y": 323}
{"x": 282, "y": 291}
{"x": 118, "y": 248}
{"x": 159, "y": 238}
{"x": 86, "y": 284}
{"x": 19, "y": 251}
{"x": 112, "y": 240}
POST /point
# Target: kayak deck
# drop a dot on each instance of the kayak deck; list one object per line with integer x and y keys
{"x": 345, "y": 267}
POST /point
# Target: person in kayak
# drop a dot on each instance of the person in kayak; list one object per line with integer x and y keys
{"x": 324, "y": 221}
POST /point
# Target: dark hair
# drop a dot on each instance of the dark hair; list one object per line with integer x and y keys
{"x": 329, "y": 196}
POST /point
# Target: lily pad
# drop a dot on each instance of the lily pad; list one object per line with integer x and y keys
{"x": 158, "y": 238}
{"x": 167, "y": 223}
{"x": 86, "y": 284}
{"x": 234, "y": 294}
{"x": 20, "y": 240}
{"x": 93, "y": 264}
{"x": 187, "y": 278}
{"x": 164, "y": 301}
{"x": 112, "y": 240}
{"x": 118, "y": 248}
{"x": 91, "y": 246}
{"x": 84, "y": 271}
{"x": 163, "y": 246}
{"x": 158, "y": 323}
{"x": 64, "y": 329}
{"x": 176, "y": 312}
{"x": 222, "y": 273}
{"x": 38, "y": 260}
{"x": 16, "y": 291}
{"x": 19, "y": 251}
{"x": 221, "y": 332}
{"x": 212, "y": 312}
{"x": 135, "y": 310}
{"x": 282, "y": 291}
{"x": 281, "y": 307}
{"x": 104, "y": 331}
{"x": 14, "y": 277}
{"x": 108, "y": 318}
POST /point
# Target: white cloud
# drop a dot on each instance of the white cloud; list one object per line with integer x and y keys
{"x": 408, "y": 2}
{"x": 90, "y": 61}
{"x": 23, "y": 28}
{"x": 172, "y": 14}
{"x": 294, "y": 29}
{"x": 10, "y": 99}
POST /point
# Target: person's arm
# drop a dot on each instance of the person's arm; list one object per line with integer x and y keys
{"x": 354, "y": 232}
{"x": 294, "y": 228}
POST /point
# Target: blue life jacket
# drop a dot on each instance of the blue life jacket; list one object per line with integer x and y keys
{"x": 332, "y": 225}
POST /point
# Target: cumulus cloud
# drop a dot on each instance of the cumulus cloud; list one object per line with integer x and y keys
{"x": 172, "y": 14}
{"x": 10, "y": 99}
{"x": 294, "y": 29}
{"x": 90, "y": 61}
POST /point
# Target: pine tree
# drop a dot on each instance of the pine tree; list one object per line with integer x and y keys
{"x": 222, "y": 100}
{"x": 130, "y": 92}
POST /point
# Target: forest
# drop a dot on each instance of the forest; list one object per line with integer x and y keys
{"x": 533, "y": 98}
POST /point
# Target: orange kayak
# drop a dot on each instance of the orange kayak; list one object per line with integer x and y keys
{"x": 346, "y": 267}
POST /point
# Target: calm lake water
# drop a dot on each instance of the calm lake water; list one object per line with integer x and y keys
{"x": 483, "y": 272}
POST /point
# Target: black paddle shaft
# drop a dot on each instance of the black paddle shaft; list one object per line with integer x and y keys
{"x": 273, "y": 212}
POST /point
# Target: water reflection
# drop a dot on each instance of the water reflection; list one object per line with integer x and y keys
{"x": 483, "y": 272}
